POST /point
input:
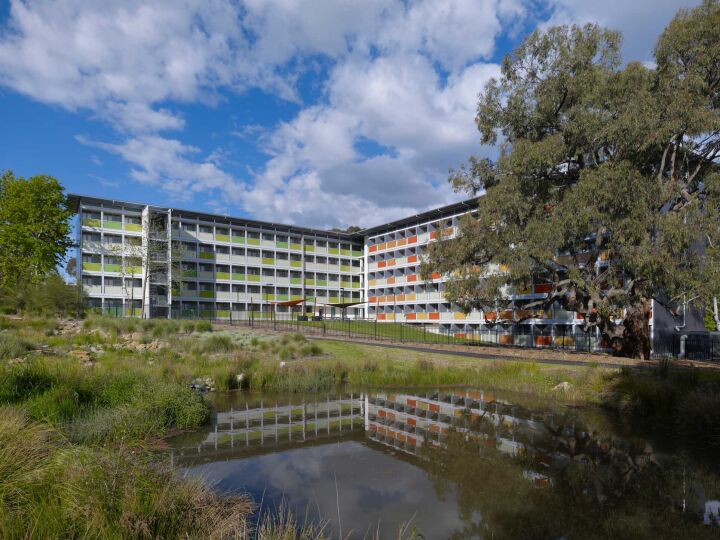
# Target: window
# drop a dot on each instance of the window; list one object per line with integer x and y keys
{"x": 206, "y": 229}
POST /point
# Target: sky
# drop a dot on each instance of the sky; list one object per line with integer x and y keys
{"x": 324, "y": 113}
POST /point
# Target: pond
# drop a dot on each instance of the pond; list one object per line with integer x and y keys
{"x": 453, "y": 463}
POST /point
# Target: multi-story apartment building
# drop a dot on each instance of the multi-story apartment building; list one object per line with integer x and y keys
{"x": 208, "y": 265}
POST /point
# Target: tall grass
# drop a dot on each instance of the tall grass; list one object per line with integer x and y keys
{"x": 50, "y": 489}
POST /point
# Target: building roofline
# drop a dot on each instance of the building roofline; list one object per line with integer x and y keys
{"x": 75, "y": 200}
{"x": 443, "y": 211}
{"x": 435, "y": 213}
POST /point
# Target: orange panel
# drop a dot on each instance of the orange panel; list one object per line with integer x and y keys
{"x": 401, "y": 242}
{"x": 433, "y": 235}
{"x": 372, "y": 299}
{"x": 411, "y": 440}
{"x": 411, "y": 403}
{"x": 391, "y": 244}
{"x": 434, "y": 316}
{"x": 391, "y": 262}
{"x": 543, "y": 341}
{"x": 543, "y": 288}
{"x": 505, "y": 340}
{"x": 399, "y": 297}
{"x": 460, "y": 335}
{"x": 382, "y": 264}
{"x": 381, "y": 316}
{"x": 390, "y": 280}
{"x": 412, "y": 258}
{"x": 381, "y": 413}
{"x": 490, "y": 316}
{"x": 412, "y": 240}
{"x": 435, "y": 275}
{"x": 412, "y": 277}
{"x": 411, "y": 316}
{"x": 373, "y": 248}
{"x": 434, "y": 407}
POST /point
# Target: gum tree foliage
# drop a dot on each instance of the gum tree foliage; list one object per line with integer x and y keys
{"x": 597, "y": 159}
{"x": 34, "y": 228}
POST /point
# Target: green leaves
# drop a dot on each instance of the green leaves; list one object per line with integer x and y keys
{"x": 34, "y": 228}
{"x": 597, "y": 161}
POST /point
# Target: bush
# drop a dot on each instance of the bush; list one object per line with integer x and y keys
{"x": 203, "y": 326}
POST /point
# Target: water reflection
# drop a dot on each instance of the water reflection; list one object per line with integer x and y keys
{"x": 454, "y": 463}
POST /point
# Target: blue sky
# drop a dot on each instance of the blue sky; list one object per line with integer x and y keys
{"x": 315, "y": 112}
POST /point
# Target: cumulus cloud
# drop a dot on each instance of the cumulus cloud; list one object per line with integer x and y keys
{"x": 397, "y": 96}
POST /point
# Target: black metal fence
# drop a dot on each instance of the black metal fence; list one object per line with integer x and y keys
{"x": 697, "y": 346}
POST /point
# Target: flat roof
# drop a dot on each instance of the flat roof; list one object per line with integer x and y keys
{"x": 75, "y": 200}
{"x": 436, "y": 213}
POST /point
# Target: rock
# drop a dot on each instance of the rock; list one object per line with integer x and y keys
{"x": 564, "y": 386}
{"x": 81, "y": 355}
{"x": 282, "y": 365}
{"x": 240, "y": 377}
{"x": 136, "y": 337}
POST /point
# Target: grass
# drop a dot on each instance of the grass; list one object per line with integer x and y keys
{"x": 75, "y": 419}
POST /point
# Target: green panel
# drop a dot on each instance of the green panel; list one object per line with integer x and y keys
{"x": 296, "y": 297}
{"x": 222, "y": 237}
{"x": 295, "y": 280}
{"x": 253, "y": 277}
{"x": 356, "y": 285}
{"x": 267, "y": 260}
{"x": 295, "y": 246}
{"x": 133, "y": 227}
{"x": 357, "y": 253}
{"x": 112, "y": 267}
{"x": 281, "y": 297}
{"x": 133, "y": 270}
{"x": 309, "y": 247}
{"x": 268, "y": 297}
{"x": 253, "y": 241}
{"x": 283, "y": 245}
{"x": 296, "y": 264}
{"x": 187, "y": 293}
{"x": 333, "y": 251}
{"x": 223, "y": 313}
{"x": 238, "y": 239}
{"x": 345, "y": 252}
{"x": 222, "y": 275}
{"x": 189, "y": 273}
{"x": 113, "y": 225}
{"x": 91, "y": 267}
{"x": 345, "y": 284}
{"x": 137, "y": 312}
{"x": 309, "y": 282}
{"x": 205, "y": 314}
{"x": 207, "y": 294}
{"x": 90, "y": 222}
{"x": 238, "y": 277}
{"x": 334, "y": 300}
{"x": 322, "y": 282}
{"x": 309, "y": 298}
{"x": 207, "y": 255}
{"x": 344, "y": 268}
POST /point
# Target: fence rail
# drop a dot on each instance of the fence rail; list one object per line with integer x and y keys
{"x": 504, "y": 334}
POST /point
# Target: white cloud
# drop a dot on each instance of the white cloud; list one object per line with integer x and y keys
{"x": 396, "y": 109}
{"x": 640, "y": 21}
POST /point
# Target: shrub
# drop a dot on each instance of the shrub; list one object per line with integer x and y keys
{"x": 203, "y": 326}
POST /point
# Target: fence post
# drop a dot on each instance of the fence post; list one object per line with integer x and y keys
{"x": 375, "y": 327}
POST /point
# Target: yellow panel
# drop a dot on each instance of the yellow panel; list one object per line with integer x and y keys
{"x": 459, "y": 316}
{"x": 422, "y": 316}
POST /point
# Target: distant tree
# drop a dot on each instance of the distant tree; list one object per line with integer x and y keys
{"x": 596, "y": 161}
{"x": 34, "y": 228}
{"x": 349, "y": 230}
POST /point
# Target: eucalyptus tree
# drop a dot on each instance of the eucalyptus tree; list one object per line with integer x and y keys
{"x": 597, "y": 160}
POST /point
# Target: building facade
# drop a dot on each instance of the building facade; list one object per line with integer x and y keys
{"x": 179, "y": 263}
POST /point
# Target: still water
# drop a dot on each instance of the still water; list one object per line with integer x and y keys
{"x": 463, "y": 463}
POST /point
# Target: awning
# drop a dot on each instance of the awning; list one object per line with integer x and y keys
{"x": 287, "y": 303}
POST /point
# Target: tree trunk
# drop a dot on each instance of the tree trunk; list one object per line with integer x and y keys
{"x": 636, "y": 332}
{"x": 631, "y": 338}
{"x": 716, "y": 314}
